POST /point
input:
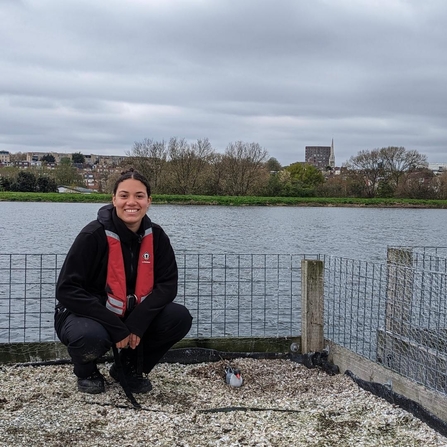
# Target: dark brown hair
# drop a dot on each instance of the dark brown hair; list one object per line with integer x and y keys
{"x": 132, "y": 173}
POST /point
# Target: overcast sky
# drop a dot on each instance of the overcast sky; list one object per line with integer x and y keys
{"x": 95, "y": 76}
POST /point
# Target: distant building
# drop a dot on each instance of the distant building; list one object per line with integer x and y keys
{"x": 110, "y": 160}
{"x": 320, "y": 156}
{"x": 437, "y": 168}
{"x": 90, "y": 159}
{"x": 5, "y": 157}
{"x": 21, "y": 164}
{"x": 34, "y": 157}
{"x": 75, "y": 189}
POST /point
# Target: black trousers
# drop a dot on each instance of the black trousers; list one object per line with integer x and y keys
{"x": 87, "y": 340}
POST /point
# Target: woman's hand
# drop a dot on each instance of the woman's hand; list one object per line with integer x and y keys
{"x": 134, "y": 341}
{"x": 131, "y": 341}
{"x": 123, "y": 343}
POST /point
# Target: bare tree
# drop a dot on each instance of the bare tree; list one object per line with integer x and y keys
{"x": 397, "y": 161}
{"x": 418, "y": 184}
{"x": 213, "y": 184}
{"x": 245, "y": 169}
{"x": 385, "y": 167}
{"x": 188, "y": 164}
{"x": 369, "y": 165}
{"x": 149, "y": 157}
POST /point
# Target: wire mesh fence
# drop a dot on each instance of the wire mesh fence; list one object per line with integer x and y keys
{"x": 393, "y": 313}
{"x": 242, "y": 295}
{"x": 27, "y": 289}
{"x": 248, "y": 295}
{"x": 355, "y": 297}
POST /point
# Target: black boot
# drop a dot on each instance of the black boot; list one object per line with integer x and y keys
{"x": 136, "y": 381}
{"x": 93, "y": 384}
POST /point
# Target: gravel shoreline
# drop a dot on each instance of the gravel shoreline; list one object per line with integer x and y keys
{"x": 281, "y": 403}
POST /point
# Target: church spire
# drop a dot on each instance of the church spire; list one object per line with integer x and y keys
{"x": 332, "y": 156}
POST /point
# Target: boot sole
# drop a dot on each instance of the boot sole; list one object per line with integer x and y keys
{"x": 91, "y": 390}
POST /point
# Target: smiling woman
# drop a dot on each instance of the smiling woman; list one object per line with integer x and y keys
{"x": 116, "y": 289}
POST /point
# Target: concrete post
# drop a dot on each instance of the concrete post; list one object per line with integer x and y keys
{"x": 312, "y": 306}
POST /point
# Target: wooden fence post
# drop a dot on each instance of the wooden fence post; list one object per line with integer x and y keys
{"x": 312, "y": 306}
{"x": 399, "y": 290}
{"x": 394, "y": 348}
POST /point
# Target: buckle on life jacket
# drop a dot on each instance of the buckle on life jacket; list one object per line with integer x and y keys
{"x": 131, "y": 302}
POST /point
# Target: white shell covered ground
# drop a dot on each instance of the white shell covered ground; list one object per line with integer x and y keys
{"x": 281, "y": 403}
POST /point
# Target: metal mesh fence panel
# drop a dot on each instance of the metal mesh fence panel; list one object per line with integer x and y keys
{"x": 247, "y": 295}
{"x": 394, "y": 314}
{"x": 27, "y": 300}
{"x": 354, "y": 301}
{"x": 414, "y": 340}
{"x": 242, "y": 295}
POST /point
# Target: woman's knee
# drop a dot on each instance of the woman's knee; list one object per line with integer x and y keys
{"x": 183, "y": 317}
{"x": 174, "y": 322}
{"x": 85, "y": 338}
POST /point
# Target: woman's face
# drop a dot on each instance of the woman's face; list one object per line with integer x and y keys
{"x": 131, "y": 202}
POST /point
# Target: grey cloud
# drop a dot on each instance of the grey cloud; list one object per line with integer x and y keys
{"x": 97, "y": 76}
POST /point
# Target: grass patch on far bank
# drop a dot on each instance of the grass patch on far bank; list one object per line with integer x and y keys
{"x": 53, "y": 197}
{"x": 226, "y": 200}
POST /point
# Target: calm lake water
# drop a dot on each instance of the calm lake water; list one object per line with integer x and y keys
{"x": 356, "y": 233}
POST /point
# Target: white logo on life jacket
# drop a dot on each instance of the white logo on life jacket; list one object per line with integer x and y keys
{"x": 146, "y": 257}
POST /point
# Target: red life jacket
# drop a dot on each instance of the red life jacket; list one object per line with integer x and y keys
{"x": 116, "y": 273}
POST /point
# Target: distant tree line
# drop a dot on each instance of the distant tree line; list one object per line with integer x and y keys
{"x": 28, "y": 182}
{"x": 387, "y": 172}
{"x": 181, "y": 167}
{"x": 245, "y": 169}
{"x": 41, "y": 179}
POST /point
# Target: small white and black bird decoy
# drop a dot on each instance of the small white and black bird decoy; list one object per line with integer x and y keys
{"x": 233, "y": 376}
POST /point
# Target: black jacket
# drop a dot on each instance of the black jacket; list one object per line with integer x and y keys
{"x": 81, "y": 284}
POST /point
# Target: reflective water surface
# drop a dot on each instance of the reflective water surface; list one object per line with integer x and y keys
{"x": 359, "y": 233}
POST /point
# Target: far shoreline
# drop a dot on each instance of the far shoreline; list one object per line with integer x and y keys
{"x": 165, "y": 199}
